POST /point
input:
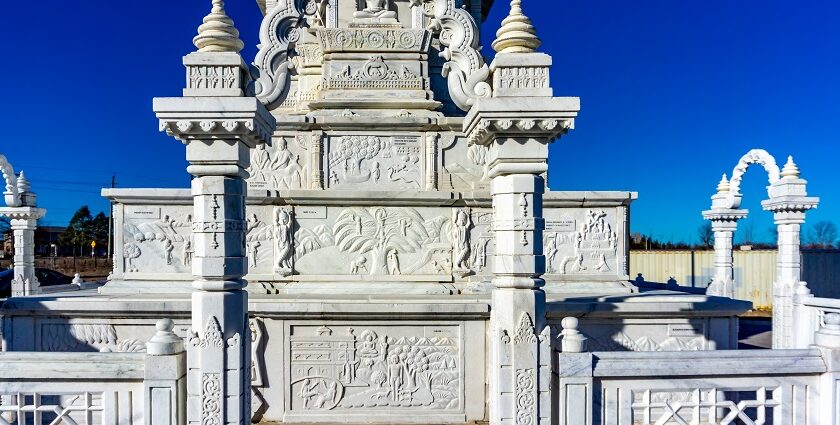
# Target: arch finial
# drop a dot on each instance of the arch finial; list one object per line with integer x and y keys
{"x": 790, "y": 170}
{"x": 11, "y": 195}
{"x": 723, "y": 186}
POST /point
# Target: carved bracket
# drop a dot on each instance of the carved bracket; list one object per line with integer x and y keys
{"x": 270, "y": 72}
{"x": 465, "y": 70}
{"x": 11, "y": 194}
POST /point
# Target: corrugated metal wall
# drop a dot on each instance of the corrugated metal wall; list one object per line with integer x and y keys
{"x": 755, "y": 271}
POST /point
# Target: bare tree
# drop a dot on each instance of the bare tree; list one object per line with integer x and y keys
{"x": 706, "y": 235}
{"x": 748, "y": 233}
{"x": 823, "y": 234}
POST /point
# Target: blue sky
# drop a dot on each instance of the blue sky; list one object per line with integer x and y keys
{"x": 672, "y": 93}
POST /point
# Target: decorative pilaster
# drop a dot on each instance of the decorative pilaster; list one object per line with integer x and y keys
{"x": 432, "y": 161}
{"x": 218, "y": 127}
{"x": 23, "y": 217}
{"x": 517, "y": 125}
{"x": 788, "y": 202}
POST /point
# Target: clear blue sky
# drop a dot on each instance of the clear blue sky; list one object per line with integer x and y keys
{"x": 672, "y": 92}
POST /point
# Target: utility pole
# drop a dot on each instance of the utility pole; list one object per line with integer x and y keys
{"x": 111, "y": 216}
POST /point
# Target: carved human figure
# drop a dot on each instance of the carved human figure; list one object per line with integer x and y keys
{"x": 187, "y": 251}
{"x": 551, "y": 252}
{"x": 393, "y": 262}
{"x": 252, "y": 223}
{"x": 167, "y": 249}
{"x": 358, "y": 266}
{"x": 260, "y": 163}
{"x": 395, "y": 376}
{"x": 462, "y": 241}
{"x": 375, "y": 171}
{"x": 286, "y": 168}
{"x": 283, "y": 240}
{"x": 375, "y": 9}
{"x": 307, "y": 391}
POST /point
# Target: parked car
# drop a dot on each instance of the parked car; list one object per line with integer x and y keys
{"x": 46, "y": 277}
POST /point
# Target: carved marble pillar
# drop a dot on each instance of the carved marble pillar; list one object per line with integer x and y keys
{"x": 724, "y": 223}
{"x": 788, "y": 202}
{"x": 24, "y": 220}
{"x": 517, "y": 131}
{"x": 219, "y": 127}
{"x": 431, "y": 161}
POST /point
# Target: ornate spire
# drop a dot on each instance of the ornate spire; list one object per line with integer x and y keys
{"x": 217, "y": 33}
{"x": 516, "y": 34}
{"x": 723, "y": 186}
{"x": 23, "y": 183}
{"x": 790, "y": 171}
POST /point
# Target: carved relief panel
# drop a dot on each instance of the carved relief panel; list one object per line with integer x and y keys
{"x": 336, "y": 369}
{"x": 583, "y": 242}
{"x": 376, "y": 162}
{"x": 157, "y": 239}
{"x": 283, "y": 165}
{"x": 373, "y": 241}
{"x": 463, "y": 167}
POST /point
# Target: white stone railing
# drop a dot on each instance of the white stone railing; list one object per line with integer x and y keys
{"x": 789, "y": 387}
{"x": 810, "y": 315}
{"x": 96, "y": 388}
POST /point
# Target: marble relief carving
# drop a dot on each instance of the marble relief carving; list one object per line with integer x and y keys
{"x": 336, "y": 368}
{"x": 374, "y": 74}
{"x": 581, "y": 245}
{"x": 277, "y": 167}
{"x": 284, "y": 244}
{"x": 157, "y": 239}
{"x": 383, "y": 162}
{"x": 375, "y": 241}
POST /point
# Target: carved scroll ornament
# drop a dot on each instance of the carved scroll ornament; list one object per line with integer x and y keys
{"x": 465, "y": 70}
{"x": 272, "y": 66}
{"x": 11, "y": 195}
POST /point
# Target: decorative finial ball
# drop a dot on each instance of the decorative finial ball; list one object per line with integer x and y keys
{"x": 165, "y": 325}
{"x": 832, "y": 319}
{"x": 569, "y": 323}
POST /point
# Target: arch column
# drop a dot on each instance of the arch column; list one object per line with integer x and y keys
{"x": 788, "y": 202}
{"x": 23, "y": 216}
{"x": 724, "y": 224}
{"x": 724, "y": 216}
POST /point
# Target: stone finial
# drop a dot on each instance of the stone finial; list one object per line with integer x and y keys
{"x": 723, "y": 186}
{"x": 217, "y": 33}
{"x": 164, "y": 342}
{"x": 77, "y": 279}
{"x": 790, "y": 170}
{"x": 23, "y": 183}
{"x": 573, "y": 341}
{"x": 517, "y": 34}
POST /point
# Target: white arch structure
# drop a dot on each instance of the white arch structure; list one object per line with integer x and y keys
{"x": 23, "y": 214}
{"x": 788, "y": 200}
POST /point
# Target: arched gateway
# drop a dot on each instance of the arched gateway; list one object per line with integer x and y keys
{"x": 788, "y": 200}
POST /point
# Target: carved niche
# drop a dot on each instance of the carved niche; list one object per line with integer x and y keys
{"x": 338, "y": 369}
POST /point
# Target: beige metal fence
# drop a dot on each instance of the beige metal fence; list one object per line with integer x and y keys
{"x": 755, "y": 271}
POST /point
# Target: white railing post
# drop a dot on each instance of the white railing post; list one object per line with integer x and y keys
{"x": 827, "y": 340}
{"x": 574, "y": 366}
{"x": 165, "y": 384}
{"x": 804, "y": 317}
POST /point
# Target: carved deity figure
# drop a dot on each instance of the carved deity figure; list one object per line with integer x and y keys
{"x": 283, "y": 239}
{"x": 375, "y": 9}
{"x": 462, "y": 241}
{"x": 285, "y": 168}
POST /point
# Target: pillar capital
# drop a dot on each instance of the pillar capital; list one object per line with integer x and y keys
{"x": 23, "y": 217}
{"x": 725, "y": 219}
{"x": 518, "y": 130}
